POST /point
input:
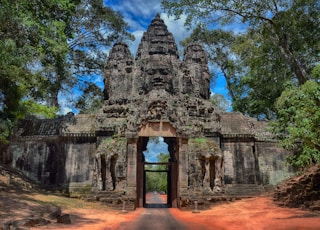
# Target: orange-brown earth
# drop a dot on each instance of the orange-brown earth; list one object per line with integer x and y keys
{"x": 253, "y": 213}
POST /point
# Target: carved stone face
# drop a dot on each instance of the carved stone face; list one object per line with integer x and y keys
{"x": 159, "y": 76}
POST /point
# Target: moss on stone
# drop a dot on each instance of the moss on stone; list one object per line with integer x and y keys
{"x": 203, "y": 144}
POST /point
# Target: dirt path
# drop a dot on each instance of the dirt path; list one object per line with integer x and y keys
{"x": 255, "y": 213}
{"x": 19, "y": 201}
{"x": 248, "y": 214}
{"x": 154, "y": 218}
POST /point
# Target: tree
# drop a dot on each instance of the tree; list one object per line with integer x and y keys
{"x": 298, "y": 123}
{"x": 263, "y": 78}
{"x": 95, "y": 27}
{"x": 157, "y": 181}
{"x": 91, "y": 99}
{"x": 283, "y": 20}
{"x": 220, "y": 102}
{"x": 46, "y": 48}
{"x": 277, "y": 46}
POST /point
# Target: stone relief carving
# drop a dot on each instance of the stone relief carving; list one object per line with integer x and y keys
{"x": 157, "y": 110}
{"x": 110, "y": 167}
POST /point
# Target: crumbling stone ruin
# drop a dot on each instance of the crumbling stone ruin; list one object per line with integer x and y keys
{"x": 302, "y": 191}
{"x": 213, "y": 154}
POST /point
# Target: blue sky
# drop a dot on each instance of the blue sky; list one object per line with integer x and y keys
{"x": 154, "y": 149}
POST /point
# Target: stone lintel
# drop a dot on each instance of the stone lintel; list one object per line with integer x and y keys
{"x": 155, "y": 129}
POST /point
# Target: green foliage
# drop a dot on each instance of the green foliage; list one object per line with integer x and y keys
{"x": 47, "y": 47}
{"x": 32, "y": 108}
{"x": 157, "y": 181}
{"x": 199, "y": 140}
{"x": 163, "y": 158}
{"x": 203, "y": 144}
{"x": 91, "y": 100}
{"x": 316, "y": 72}
{"x": 298, "y": 123}
{"x": 6, "y": 128}
{"x": 32, "y": 41}
{"x": 114, "y": 141}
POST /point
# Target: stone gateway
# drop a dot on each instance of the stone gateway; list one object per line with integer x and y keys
{"x": 213, "y": 154}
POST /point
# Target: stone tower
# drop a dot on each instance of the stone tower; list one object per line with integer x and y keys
{"x": 156, "y": 94}
{"x": 157, "y": 85}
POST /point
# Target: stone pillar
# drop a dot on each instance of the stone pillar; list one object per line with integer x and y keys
{"x": 98, "y": 175}
{"x": 183, "y": 167}
{"x": 206, "y": 179}
{"x": 132, "y": 166}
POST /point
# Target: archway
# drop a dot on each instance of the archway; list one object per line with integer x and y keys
{"x": 147, "y": 166}
{"x": 157, "y": 173}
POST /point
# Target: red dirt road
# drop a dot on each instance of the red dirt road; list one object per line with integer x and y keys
{"x": 246, "y": 214}
{"x": 254, "y": 213}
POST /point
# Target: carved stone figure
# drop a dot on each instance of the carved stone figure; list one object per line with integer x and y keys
{"x": 159, "y": 76}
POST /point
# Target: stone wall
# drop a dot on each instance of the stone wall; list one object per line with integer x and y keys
{"x": 240, "y": 165}
{"x": 254, "y": 162}
{"x": 54, "y": 162}
{"x": 273, "y": 167}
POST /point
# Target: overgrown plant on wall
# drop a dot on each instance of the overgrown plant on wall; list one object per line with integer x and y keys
{"x": 203, "y": 145}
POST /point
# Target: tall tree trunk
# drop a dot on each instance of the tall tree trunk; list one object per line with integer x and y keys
{"x": 229, "y": 84}
{"x": 53, "y": 100}
{"x": 295, "y": 64}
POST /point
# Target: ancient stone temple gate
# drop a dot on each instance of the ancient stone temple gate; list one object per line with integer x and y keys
{"x": 212, "y": 153}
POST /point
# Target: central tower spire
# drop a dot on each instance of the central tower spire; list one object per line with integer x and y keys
{"x": 157, "y": 40}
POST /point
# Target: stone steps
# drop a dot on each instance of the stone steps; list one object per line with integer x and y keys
{"x": 243, "y": 190}
{"x": 112, "y": 199}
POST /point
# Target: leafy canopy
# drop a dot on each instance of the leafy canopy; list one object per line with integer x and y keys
{"x": 298, "y": 123}
{"x": 49, "y": 48}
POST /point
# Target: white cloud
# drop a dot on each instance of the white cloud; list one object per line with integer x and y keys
{"x": 64, "y": 105}
{"x": 236, "y": 28}
{"x": 133, "y": 46}
{"x": 154, "y": 149}
{"x": 136, "y": 8}
{"x": 176, "y": 27}
{"x": 65, "y": 110}
{"x": 139, "y": 13}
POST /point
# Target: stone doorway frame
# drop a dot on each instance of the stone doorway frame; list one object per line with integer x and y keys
{"x": 169, "y": 185}
{"x": 168, "y": 132}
